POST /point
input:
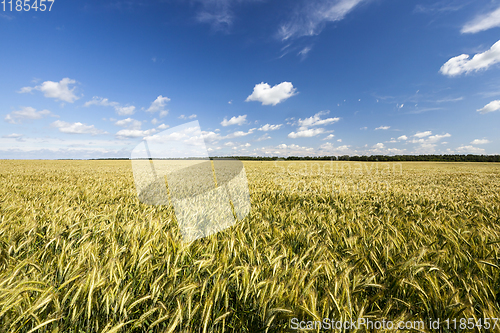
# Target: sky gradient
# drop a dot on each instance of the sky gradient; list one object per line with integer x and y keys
{"x": 92, "y": 79}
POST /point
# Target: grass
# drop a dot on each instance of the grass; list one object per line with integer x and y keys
{"x": 408, "y": 241}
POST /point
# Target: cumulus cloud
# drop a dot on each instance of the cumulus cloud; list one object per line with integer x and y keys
{"x": 76, "y": 128}
{"x": 470, "y": 150}
{"x": 481, "y": 61}
{"x": 268, "y": 95}
{"x": 57, "y": 90}
{"x": 490, "y": 107}
{"x": 483, "y": 22}
{"x": 306, "y": 133}
{"x": 129, "y": 123}
{"x": 158, "y": 105}
{"x": 427, "y": 137}
{"x": 379, "y": 145}
{"x": 210, "y": 136}
{"x": 480, "y": 141}
{"x": 310, "y": 18}
{"x": 26, "y": 113}
{"x": 330, "y": 136}
{"x": 423, "y": 134}
{"x": 240, "y": 120}
{"x": 268, "y": 127}
{"x": 382, "y": 128}
{"x": 134, "y": 133}
{"x": 121, "y": 110}
{"x": 403, "y": 137}
{"x": 238, "y": 134}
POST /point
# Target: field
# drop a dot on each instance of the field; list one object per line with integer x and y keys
{"x": 342, "y": 240}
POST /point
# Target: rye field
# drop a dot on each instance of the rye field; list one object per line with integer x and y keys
{"x": 343, "y": 240}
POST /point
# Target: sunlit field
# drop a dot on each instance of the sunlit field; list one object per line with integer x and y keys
{"x": 342, "y": 240}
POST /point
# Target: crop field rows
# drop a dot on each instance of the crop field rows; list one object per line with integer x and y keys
{"x": 343, "y": 240}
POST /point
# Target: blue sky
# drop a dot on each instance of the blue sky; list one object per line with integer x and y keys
{"x": 91, "y": 79}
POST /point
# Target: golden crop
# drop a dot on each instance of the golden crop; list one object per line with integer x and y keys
{"x": 80, "y": 253}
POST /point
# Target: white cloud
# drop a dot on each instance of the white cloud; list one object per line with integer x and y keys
{"x": 187, "y": 117}
{"x": 158, "y": 105}
{"x": 310, "y": 19}
{"x": 217, "y": 13}
{"x": 125, "y": 110}
{"x": 304, "y": 51}
{"x": 462, "y": 64}
{"x": 154, "y": 121}
{"x": 403, "y": 137}
{"x": 379, "y": 145}
{"x": 211, "y": 136}
{"x": 238, "y": 134}
{"x": 240, "y": 120}
{"x": 483, "y": 22}
{"x": 316, "y": 120}
{"x": 57, "y": 90}
{"x": 427, "y": 138}
{"x": 264, "y": 137}
{"x": 470, "y": 150}
{"x": 163, "y": 126}
{"x": 490, "y": 107}
{"x": 121, "y": 110}
{"x": 364, "y": 128}
{"x": 26, "y": 113}
{"x": 423, "y": 134}
{"x": 76, "y": 128}
{"x": 12, "y": 136}
{"x": 306, "y": 133}
{"x": 382, "y": 128}
{"x": 330, "y": 136}
{"x": 129, "y": 123}
{"x": 263, "y": 92}
{"x": 268, "y": 127}
{"x": 480, "y": 141}
{"x": 134, "y": 133}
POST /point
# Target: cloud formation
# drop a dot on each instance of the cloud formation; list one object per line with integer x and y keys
{"x": 482, "y": 22}
{"x": 134, "y": 133}
{"x": 490, "y": 107}
{"x": 268, "y": 95}
{"x": 121, "y": 110}
{"x": 240, "y": 120}
{"x": 480, "y": 142}
{"x": 316, "y": 120}
{"x": 310, "y": 18}
{"x": 480, "y": 61}
{"x": 158, "y": 105}
{"x": 268, "y": 127}
{"x": 129, "y": 123}
{"x": 470, "y": 150}
{"x": 57, "y": 90}
{"x": 382, "y": 128}
{"x": 76, "y": 128}
{"x": 26, "y": 113}
{"x": 306, "y": 133}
